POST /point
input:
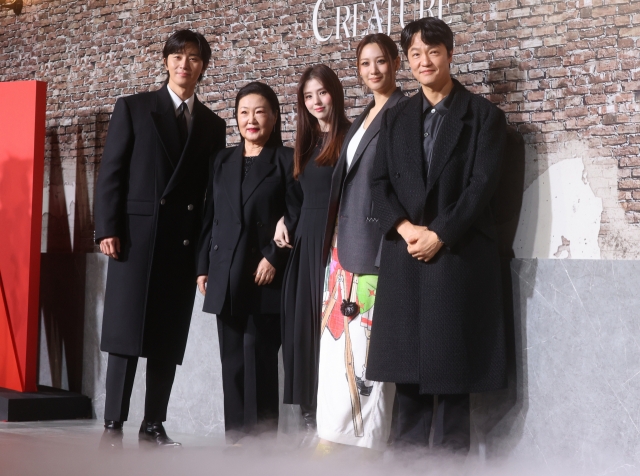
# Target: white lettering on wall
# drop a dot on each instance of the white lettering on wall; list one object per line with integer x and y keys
{"x": 344, "y": 22}
{"x": 316, "y": 32}
{"x": 421, "y": 9}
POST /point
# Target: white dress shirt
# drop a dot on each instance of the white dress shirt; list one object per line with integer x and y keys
{"x": 177, "y": 102}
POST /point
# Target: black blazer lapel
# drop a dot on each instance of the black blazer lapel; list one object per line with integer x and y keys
{"x": 231, "y": 177}
{"x": 164, "y": 119}
{"x": 448, "y": 134}
{"x": 197, "y": 133}
{"x": 259, "y": 170}
{"x": 374, "y": 127}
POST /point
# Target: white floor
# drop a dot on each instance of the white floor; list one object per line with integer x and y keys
{"x": 72, "y": 448}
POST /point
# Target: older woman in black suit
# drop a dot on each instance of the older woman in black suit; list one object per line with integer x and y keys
{"x": 240, "y": 264}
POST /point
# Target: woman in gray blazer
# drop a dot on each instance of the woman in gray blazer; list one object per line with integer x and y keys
{"x": 354, "y": 410}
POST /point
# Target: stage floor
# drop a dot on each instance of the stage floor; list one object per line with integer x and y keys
{"x": 73, "y": 448}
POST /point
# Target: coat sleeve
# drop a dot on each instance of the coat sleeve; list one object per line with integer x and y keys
{"x": 389, "y": 210}
{"x": 456, "y": 219}
{"x": 204, "y": 243}
{"x": 111, "y": 188}
{"x": 275, "y": 255}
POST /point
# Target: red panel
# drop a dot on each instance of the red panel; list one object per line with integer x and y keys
{"x": 22, "y": 129}
{"x": 9, "y": 366}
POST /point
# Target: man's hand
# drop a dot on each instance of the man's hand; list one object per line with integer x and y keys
{"x": 409, "y": 232}
{"x": 426, "y": 246}
{"x": 110, "y": 246}
{"x": 265, "y": 273}
{"x": 202, "y": 284}
{"x": 282, "y": 235}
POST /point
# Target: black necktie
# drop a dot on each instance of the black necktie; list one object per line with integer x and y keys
{"x": 182, "y": 125}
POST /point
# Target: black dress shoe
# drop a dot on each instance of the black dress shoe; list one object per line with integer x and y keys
{"x": 112, "y": 436}
{"x": 113, "y": 425}
{"x": 154, "y": 432}
{"x": 111, "y": 439}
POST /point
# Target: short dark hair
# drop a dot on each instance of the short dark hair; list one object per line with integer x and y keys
{"x": 261, "y": 89}
{"x": 433, "y": 31}
{"x": 178, "y": 41}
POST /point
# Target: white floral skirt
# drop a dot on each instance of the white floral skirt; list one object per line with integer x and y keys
{"x": 351, "y": 409}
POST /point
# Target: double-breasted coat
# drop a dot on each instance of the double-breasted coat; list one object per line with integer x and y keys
{"x": 150, "y": 194}
{"x": 439, "y": 324}
{"x": 239, "y": 225}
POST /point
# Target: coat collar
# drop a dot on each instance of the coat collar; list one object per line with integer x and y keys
{"x": 374, "y": 127}
{"x": 164, "y": 118}
{"x": 262, "y": 167}
{"x": 449, "y": 133}
{"x": 237, "y": 190}
{"x": 409, "y": 123}
{"x": 197, "y": 135}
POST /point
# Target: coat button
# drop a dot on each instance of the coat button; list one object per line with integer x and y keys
{"x": 215, "y": 248}
{"x": 189, "y": 207}
{"x": 215, "y": 222}
{"x": 397, "y": 174}
{"x": 185, "y": 242}
{"x": 163, "y": 201}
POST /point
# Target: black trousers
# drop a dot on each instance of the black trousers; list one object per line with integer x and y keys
{"x": 249, "y": 354}
{"x": 121, "y": 370}
{"x": 452, "y": 422}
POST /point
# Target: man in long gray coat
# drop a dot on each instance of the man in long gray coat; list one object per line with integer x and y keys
{"x": 439, "y": 326}
{"x": 148, "y": 215}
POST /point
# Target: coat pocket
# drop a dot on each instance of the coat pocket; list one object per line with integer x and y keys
{"x": 140, "y": 207}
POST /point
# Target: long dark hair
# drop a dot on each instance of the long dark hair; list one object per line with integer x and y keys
{"x": 261, "y": 89}
{"x": 308, "y": 129}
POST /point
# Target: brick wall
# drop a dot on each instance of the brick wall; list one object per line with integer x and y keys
{"x": 567, "y": 73}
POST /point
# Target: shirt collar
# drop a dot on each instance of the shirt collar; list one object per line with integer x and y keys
{"x": 442, "y": 107}
{"x": 177, "y": 101}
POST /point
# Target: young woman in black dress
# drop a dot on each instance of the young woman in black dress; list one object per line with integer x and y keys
{"x": 321, "y": 128}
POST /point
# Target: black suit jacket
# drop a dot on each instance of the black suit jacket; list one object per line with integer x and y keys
{"x": 439, "y": 324}
{"x": 150, "y": 194}
{"x": 239, "y": 225}
{"x": 359, "y": 234}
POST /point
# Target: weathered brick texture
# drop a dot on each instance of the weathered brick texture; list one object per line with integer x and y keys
{"x": 563, "y": 71}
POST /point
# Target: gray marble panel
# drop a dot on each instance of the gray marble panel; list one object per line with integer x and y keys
{"x": 573, "y": 399}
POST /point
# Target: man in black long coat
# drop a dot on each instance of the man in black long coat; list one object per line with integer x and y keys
{"x": 148, "y": 213}
{"x": 439, "y": 325}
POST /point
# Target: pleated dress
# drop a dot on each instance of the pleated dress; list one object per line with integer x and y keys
{"x": 303, "y": 287}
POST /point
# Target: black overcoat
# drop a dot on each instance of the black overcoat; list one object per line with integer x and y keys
{"x": 440, "y": 324}
{"x": 239, "y": 225}
{"x": 150, "y": 194}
